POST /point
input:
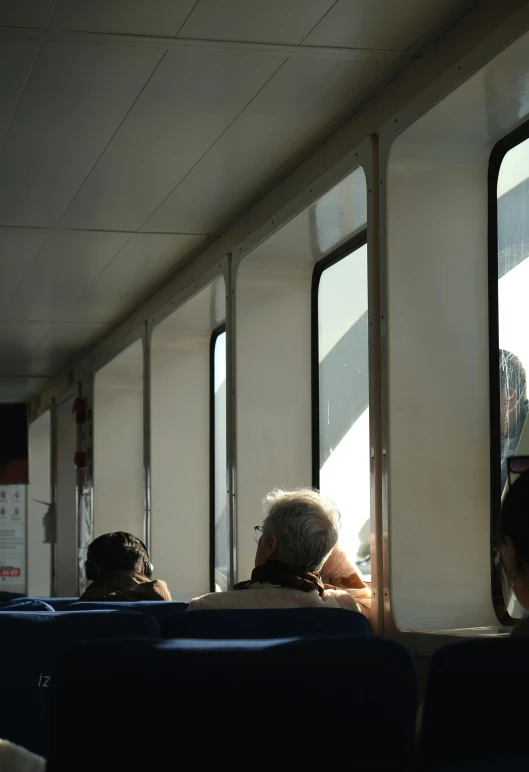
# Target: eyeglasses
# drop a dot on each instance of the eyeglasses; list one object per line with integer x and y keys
{"x": 257, "y": 531}
{"x": 517, "y": 465}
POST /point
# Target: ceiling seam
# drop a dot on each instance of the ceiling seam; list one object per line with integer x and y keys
{"x": 204, "y": 154}
{"x": 112, "y": 137}
{"x": 251, "y": 47}
{"x": 52, "y": 13}
{"x": 53, "y": 229}
{"x": 180, "y": 28}
{"x": 318, "y": 22}
{"x": 37, "y": 52}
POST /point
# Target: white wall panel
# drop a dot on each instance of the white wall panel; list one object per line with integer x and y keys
{"x": 76, "y": 97}
{"x": 382, "y": 24}
{"x": 180, "y": 436}
{"x": 135, "y": 17}
{"x": 262, "y": 21}
{"x": 25, "y": 13}
{"x": 66, "y": 559}
{"x": 118, "y": 444}
{"x": 438, "y": 432}
{"x": 191, "y": 99}
{"x": 299, "y": 100}
{"x": 129, "y": 278}
{"x": 38, "y": 554}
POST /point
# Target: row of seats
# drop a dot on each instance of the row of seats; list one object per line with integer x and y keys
{"x": 235, "y": 676}
{"x": 32, "y": 643}
{"x": 296, "y": 703}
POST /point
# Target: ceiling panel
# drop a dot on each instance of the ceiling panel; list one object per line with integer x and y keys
{"x": 25, "y": 13}
{"x": 18, "y": 249}
{"x": 20, "y": 389}
{"x": 75, "y": 99}
{"x": 66, "y": 265}
{"x": 16, "y": 59}
{"x": 261, "y": 21}
{"x": 17, "y": 341}
{"x": 303, "y": 96}
{"x": 192, "y": 98}
{"x": 378, "y": 23}
{"x": 134, "y": 17}
{"x": 131, "y": 276}
{"x": 66, "y": 343}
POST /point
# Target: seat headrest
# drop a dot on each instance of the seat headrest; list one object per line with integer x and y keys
{"x": 27, "y": 605}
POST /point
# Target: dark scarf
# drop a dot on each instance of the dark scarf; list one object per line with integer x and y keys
{"x": 284, "y": 575}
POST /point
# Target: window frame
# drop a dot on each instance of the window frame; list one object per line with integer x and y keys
{"x": 498, "y": 153}
{"x": 350, "y": 246}
{"x": 216, "y": 333}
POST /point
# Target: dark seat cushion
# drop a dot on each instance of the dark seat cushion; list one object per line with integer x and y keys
{"x": 475, "y": 706}
{"x": 31, "y": 645}
{"x": 305, "y": 700}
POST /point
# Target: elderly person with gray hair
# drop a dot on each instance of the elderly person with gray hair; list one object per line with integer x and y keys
{"x": 298, "y": 534}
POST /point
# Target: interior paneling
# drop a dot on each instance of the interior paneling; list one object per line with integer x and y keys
{"x": 263, "y": 21}
{"x": 134, "y": 17}
{"x": 26, "y": 13}
{"x": 190, "y": 100}
{"x": 76, "y": 97}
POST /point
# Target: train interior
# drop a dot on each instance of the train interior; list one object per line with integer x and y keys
{"x": 249, "y": 244}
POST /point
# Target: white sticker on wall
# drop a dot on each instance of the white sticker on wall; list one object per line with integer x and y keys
{"x": 12, "y": 534}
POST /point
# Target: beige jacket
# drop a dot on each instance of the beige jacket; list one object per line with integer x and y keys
{"x": 13, "y": 758}
{"x": 271, "y": 596}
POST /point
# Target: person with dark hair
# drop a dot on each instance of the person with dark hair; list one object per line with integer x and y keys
{"x": 514, "y": 543}
{"x": 119, "y": 567}
{"x": 514, "y": 406}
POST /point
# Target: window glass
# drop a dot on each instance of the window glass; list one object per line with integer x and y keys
{"x": 513, "y": 316}
{"x": 344, "y": 399}
{"x": 220, "y": 514}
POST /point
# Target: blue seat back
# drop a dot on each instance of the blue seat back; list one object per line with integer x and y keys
{"x": 155, "y": 608}
{"x": 303, "y": 696}
{"x": 475, "y": 705}
{"x": 26, "y": 604}
{"x": 265, "y": 623}
{"x": 31, "y": 645}
{"x": 59, "y": 604}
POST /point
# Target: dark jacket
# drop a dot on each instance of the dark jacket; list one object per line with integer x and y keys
{"x": 126, "y": 585}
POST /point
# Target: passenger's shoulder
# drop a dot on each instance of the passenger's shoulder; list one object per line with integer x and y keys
{"x": 343, "y": 599}
{"x": 160, "y": 588}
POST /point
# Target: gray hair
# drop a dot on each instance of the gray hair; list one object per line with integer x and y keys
{"x": 305, "y": 524}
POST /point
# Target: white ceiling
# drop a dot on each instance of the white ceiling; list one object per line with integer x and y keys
{"x": 131, "y": 130}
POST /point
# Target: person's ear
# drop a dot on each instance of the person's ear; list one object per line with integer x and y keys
{"x": 271, "y": 546}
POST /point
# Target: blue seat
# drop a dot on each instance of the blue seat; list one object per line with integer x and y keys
{"x": 280, "y": 702}
{"x": 265, "y": 623}
{"x": 59, "y": 604}
{"x": 475, "y": 707}
{"x": 31, "y": 645}
{"x": 26, "y": 604}
{"x": 156, "y": 608}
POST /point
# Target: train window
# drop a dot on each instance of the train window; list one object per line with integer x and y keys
{"x": 220, "y": 526}
{"x": 510, "y": 389}
{"x": 340, "y": 349}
